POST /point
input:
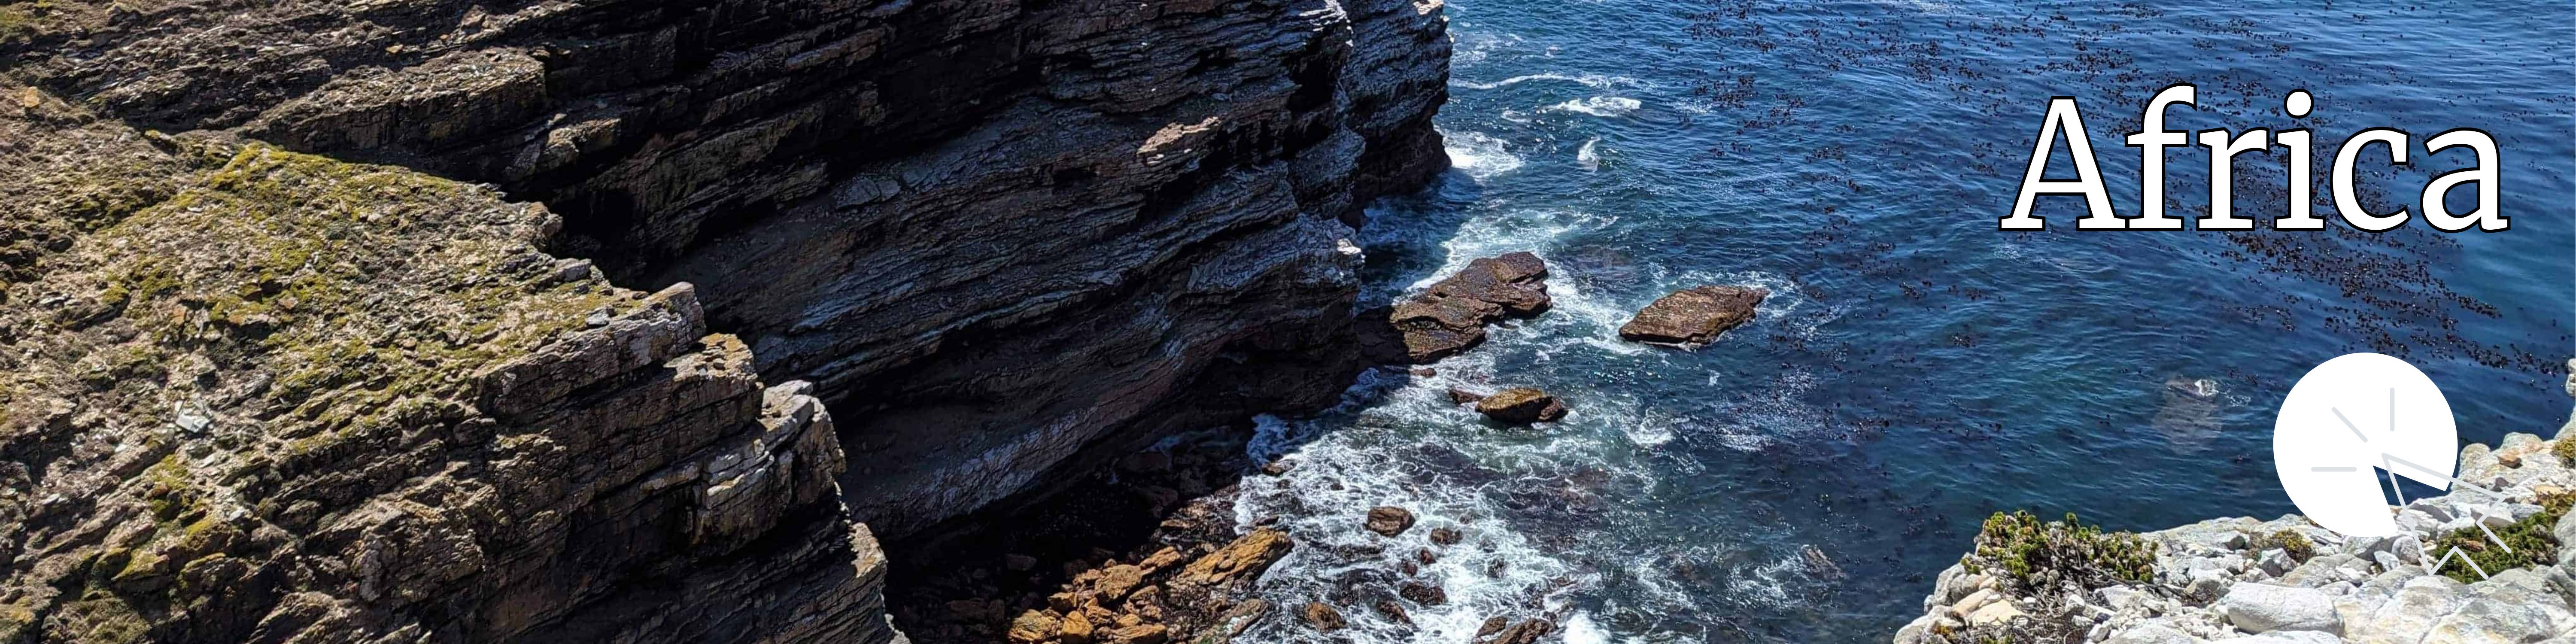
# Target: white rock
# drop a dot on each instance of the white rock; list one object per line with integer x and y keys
{"x": 2262, "y": 608}
{"x": 2152, "y": 634}
{"x": 1994, "y": 613}
{"x": 2284, "y": 637}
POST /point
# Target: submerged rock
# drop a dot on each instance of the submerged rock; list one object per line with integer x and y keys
{"x": 1521, "y": 406}
{"x": 1389, "y": 520}
{"x": 1450, "y": 316}
{"x": 1694, "y": 316}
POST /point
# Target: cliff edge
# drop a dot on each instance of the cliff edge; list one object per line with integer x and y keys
{"x": 433, "y": 320}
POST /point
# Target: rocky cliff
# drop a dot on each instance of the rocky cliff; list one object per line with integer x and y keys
{"x": 331, "y": 361}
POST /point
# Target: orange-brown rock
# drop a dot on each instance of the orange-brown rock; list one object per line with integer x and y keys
{"x": 1389, "y": 520}
{"x": 1033, "y": 626}
{"x": 1694, "y": 316}
{"x": 1244, "y": 558}
{"x": 1322, "y": 616}
{"x": 1451, "y": 315}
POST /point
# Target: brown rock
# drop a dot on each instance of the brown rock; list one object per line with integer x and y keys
{"x": 1116, "y": 580}
{"x": 1493, "y": 625}
{"x": 1393, "y": 611}
{"x": 1462, "y": 396}
{"x": 1526, "y": 632}
{"x": 1275, "y": 468}
{"x": 1322, "y": 617}
{"x": 1425, "y": 372}
{"x": 1694, "y": 316}
{"x": 1244, "y": 558}
{"x": 1076, "y": 628}
{"x": 1161, "y": 559}
{"x": 1033, "y": 626}
{"x": 1424, "y": 555}
{"x": 1445, "y": 536}
{"x": 1426, "y": 594}
{"x": 1389, "y": 520}
{"x": 1139, "y": 634}
{"x": 1521, "y": 406}
{"x": 1451, "y": 315}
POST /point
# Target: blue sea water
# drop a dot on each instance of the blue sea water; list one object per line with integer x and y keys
{"x": 1914, "y": 369}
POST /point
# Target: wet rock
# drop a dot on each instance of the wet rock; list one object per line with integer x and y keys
{"x": 1462, "y": 396}
{"x": 1818, "y": 564}
{"x": 1425, "y": 556}
{"x": 1275, "y": 468}
{"x": 1426, "y": 594}
{"x": 1450, "y": 316}
{"x": 1389, "y": 520}
{"x": 1393, "y": 612}
{"x": 1493, "y": 625}
{"x": 1019, "y": 562}
{"x": 1521, "y": 406}
{"x": 1525, "y": 632}
{"x": 1693, "y": 316}
{"x": 1445, "y": 536}
{"x": 1322, "y": 617}
{"x": 1424, "y": 372}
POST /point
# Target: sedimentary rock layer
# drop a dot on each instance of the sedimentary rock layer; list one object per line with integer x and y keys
{"x": 992, "y": 233}
{"x": 1004, "y": 240}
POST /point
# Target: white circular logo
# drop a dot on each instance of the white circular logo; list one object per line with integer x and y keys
{"x": 2350, "y": 418}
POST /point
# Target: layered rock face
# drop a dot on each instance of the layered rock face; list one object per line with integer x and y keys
{"x": 259, "y": 396}
{"x": 992, "y": 233}
{"x": 268, "y": 394}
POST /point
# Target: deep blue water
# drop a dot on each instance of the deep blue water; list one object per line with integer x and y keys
{"x": 1915, "y": 368}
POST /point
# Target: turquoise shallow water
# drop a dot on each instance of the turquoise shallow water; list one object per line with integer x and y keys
{"x": 1915, "y": 368}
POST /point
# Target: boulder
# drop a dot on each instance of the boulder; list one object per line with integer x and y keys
{"x": 1033, "y": 626}
{"x": 1423, "y": 593}
{"x": 1450, "y": 316}
{"x": 1526, "y": 632}
{"x": 2263, "y": 608}
{"x": 1244, "y": 558}
{"x": 1139, "y": 634}
{"x": 1389, "y": 520}
{"x": 1448, "y": 537}
{"x": 1076, "y": 628}
{"x": 1462, "y": 396}
{"x": 1393, "y": 611}
{"x": 1693, "y": 316}
{"x": 1521, "y": 406}
{"x": 1322, "y": 617}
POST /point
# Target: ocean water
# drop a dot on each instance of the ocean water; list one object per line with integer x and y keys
{"x": 1914, "y": 369}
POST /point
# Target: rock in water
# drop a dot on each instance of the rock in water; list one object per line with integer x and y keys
{"x": 1322, "y": 616}
{"x": 1424, "y": 594}
{"x": 1389, "y": 520}
{"x": 1451, "y": 316}
{"x": 1694, "y": 316}
{"x": 1521, "y": 406}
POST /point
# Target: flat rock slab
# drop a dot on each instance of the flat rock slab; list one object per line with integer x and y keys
{"x": 1450, "y": 316}
{"x": 1694, "y": 316}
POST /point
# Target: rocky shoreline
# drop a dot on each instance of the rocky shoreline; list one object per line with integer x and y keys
{"x": 2287, "y": 580}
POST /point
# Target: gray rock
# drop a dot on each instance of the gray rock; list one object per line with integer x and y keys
{"x": 2261, "y": 608}
{"x": 2152, "y": 634}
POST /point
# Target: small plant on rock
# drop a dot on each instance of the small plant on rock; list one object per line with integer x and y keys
{"x": 2039, "y": 555}
{"x": 2289, "y": 541}
{"x": 2566, "y": 450}
{"x": 2530, "y": 538}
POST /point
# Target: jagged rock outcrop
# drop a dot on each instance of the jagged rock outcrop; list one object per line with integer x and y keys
{"x": 261, "y": 396}
{"x": 991, "y": 233}
{"x": 1693, "y": 316}
{"x": 1450, "y": 316}
{"x": 1004, "y": 240}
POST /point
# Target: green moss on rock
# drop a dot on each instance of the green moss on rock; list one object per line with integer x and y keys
{"x": 2038, "y": 555}
{"x": 2530, "y": 541}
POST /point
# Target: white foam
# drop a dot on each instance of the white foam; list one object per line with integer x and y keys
{"x": 1478, "y": 154}
{"x": 1589, "y": 156}
{"x": 1596, "y": 81}
{"x": 1602, "y": 106}
{"x": 1579, "y": 629}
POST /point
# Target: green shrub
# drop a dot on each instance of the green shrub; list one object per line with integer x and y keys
{"x": 2044, "y": 555}
{"x": 2566, "y": 450}
{"x": 2532, "y": 544}
{"x": 2289, "y": 541}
